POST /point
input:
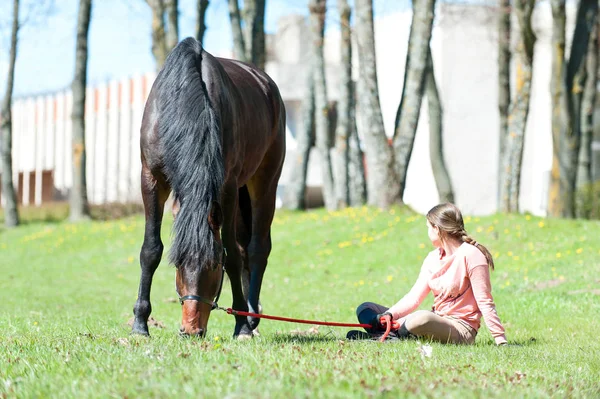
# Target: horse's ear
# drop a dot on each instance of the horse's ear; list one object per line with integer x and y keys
{"x": 215, "y": 216}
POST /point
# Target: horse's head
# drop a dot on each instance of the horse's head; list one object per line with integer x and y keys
{"x": 199, "y": 282}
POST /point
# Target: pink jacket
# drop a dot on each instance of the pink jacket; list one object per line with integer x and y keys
{"x": 461, "y": 287}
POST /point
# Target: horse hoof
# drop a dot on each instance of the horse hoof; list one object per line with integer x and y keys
{"x": 244, "y": 337}
{"x": 255, "y": 333}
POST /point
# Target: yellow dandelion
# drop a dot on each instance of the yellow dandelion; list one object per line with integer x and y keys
{"x": 217, "y": 338}
{"x": 541, "y": 223}
{"x": 516, "y": 257}
{"x": 506, "y": 231}
{"x": 507, "y": 283}
{"x": 361, "y": 282}
{"x": 130, "y": 259}
{"x": 421, "y": 245}
{"x": 479, "y": 229}
{"x": 389, "y": 278}
{"x": 527, "y": 217}
{"x": 509, "y": 253}
{"x": 558, "y": 255}
{"x": 561, "y": 277}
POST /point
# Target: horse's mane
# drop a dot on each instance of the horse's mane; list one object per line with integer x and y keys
{"x": 189, "y": 132}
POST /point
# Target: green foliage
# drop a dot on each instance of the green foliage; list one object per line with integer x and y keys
{"x": 67, "y": 292}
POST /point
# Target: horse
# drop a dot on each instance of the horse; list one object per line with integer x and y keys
{"x": 213, "y": 133}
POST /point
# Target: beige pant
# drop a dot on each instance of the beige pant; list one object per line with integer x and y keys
{"x": 426, "y": 324}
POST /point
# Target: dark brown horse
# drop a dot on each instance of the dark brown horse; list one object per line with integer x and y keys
{"x": 213, "y": 132}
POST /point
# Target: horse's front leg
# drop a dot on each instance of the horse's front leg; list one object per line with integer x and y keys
{"x": 233, "y": 265}
{"x": 154, "y": 195}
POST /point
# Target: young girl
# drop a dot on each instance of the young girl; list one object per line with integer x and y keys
{"x": 457, "y": 272}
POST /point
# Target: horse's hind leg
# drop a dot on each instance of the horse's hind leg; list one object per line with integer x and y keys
{"x": 262, "y": 189}
{"x": 155, "y": 192}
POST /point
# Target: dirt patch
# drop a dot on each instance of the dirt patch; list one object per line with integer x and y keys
{"x": 585, "y": 291}
{"x": 542, "y": 285}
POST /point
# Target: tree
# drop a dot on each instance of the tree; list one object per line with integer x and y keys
{"x": 164, "y": 36}
{"x": 79, "y": 207}
{"x": 201, "y": 6}
{"x": 295, "y": 193}
{"x": 436, "y": 147}
{"x": 519, "y": 109}
{"x": 323, "y": 139}
{"x": 387, "y": 165}
{"x": 409, "y": 109}
{"x": 239, "y": 47}
{"x": 249, "y": 43}
{"x": 345, "y": 109}
{"x": 11, "y": 214}
{"x": 381, "y": 181}
{"x": 584, "y": 170}
{"x": 568, "y": 81}
{"x": 504, "y": 56}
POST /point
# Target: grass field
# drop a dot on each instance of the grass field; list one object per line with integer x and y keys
{"x": 67, "y": 292}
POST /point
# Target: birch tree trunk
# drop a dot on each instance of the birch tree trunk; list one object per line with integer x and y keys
{"x": 519, "y": 110}
{"x": 172, "y": 37}
{"x": 584, "y": 170}
{"x": 345, "y": 107}
{"x": 323, "y": 138}
{"x": 568, "y": 81}
{"x": 504, "y": 29}
{"x": 11, "y": 214}
{"x": 295, "y": 192}
{"x": 79, "y": 207}
{"x": 409, "y": 109}
{"x": 159, "y": 41}
{"x": 436, "y": 144}
{"x": 254, "y": 35}
{"x": 239, "y": 46}
{"x": 201, "y": 6}
{"x": 356, "y": 168}
{"x": 381, "y": 181}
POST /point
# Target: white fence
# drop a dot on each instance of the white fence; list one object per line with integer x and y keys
{"x": 42, "y": 167}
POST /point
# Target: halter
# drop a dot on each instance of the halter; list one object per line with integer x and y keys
{"x": 198, "y": 298}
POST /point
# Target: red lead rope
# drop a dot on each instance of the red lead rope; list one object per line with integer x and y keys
{"x": 321, "y": 323}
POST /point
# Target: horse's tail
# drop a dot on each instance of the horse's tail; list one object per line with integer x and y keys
{"x": 189, "y": 131}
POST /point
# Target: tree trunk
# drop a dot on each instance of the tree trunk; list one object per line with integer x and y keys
{"x": 407, "y": 116}
{"x": 254, "y": 38}
{"x": 519, "y": 110}
{"x": 172, "y": 37}
{"x": 381, "y": 181}
{"x": 567, "y": 88}
{"x": 356, "y": 169}
{"x": 11, "y": 214}
{"x": 584, "y": 170}
{"x": 295, "y": 193}
{"x": 323, "y": 138}
{"x": 345, "y": 107}
{"x": 201, "y": 6}
{"x": 79, "y": 207}
{"x": 239, "y": 45}
{"x": 159, "y": 41}
{"x": 503, "y": 83}
{"x": 436, "y": 145}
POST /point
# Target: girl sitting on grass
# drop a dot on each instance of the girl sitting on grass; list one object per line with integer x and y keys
{"x": 457, "y": 272}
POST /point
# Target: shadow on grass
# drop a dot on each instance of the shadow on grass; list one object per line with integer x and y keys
{"x": 304, "y": 338}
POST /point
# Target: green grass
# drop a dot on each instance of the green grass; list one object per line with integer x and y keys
{"x": 67, "y": 292}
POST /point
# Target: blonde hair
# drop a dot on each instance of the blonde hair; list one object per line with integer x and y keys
{"x": 448, "y": 219}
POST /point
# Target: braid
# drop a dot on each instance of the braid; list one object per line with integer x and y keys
{"x": 470, "y": 240}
